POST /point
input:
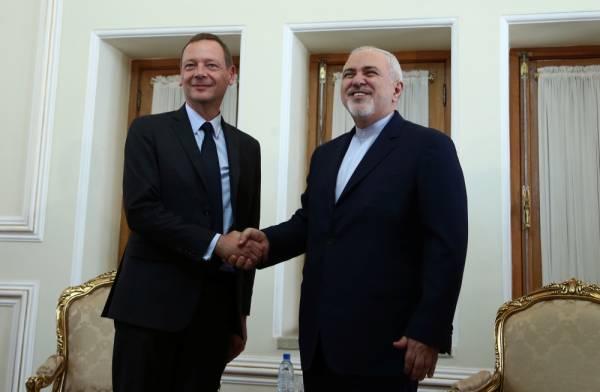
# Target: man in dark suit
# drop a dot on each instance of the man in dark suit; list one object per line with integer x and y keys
{"x": 383, "y": 224}
{"x": 189, "y": 178}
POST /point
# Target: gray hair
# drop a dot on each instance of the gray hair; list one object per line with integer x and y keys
{"x": 395, "y": 70}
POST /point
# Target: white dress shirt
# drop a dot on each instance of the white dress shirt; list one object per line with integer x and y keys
{"x": 362, "y": 140}
{"x": 196, "y": 121}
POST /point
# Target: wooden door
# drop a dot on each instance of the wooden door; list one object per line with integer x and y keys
{"x": 524, "y": 156}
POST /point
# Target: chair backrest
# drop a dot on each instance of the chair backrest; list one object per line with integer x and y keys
{"x": 84, "y": 337}
{"x": 550, "y": 340}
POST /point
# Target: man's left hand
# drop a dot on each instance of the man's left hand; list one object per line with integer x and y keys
{"x": 419, "y": 360}
{"x": 237, "y": 343}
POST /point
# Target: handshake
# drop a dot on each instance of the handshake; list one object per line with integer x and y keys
{"x": 243, "y": 250}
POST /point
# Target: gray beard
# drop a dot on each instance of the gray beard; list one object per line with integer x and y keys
{"x": 365, "y": 111}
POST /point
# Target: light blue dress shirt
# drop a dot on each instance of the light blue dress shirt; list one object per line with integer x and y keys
{"x": 196, "y": 121}
{"x": 362, "y": 140}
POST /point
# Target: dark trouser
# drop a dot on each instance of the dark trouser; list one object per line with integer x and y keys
{"x": 321, "y": 378}
{"x": 189, "y": 360}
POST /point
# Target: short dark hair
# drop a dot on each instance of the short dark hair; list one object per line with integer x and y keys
{"x": 210, "y": 37}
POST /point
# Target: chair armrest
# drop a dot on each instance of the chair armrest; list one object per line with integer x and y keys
{"x": 482, "y": 381}
{"x": 46, "y": 374}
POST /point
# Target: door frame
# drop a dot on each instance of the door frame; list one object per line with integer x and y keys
{"x": 524, "y": 178}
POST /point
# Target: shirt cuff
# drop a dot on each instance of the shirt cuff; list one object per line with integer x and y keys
{"x": 211, "y": 247}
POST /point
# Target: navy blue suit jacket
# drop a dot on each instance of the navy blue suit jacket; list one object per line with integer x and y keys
{"x": 387, "y": 258}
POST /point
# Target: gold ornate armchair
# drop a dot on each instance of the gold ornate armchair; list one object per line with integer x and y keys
{"x": 85, "y": 340}
{"x": 546, "y": 341}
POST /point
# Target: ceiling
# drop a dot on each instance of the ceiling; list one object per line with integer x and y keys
{"x": 139, "y": 48}
{"x": 393, "y": 40}
{"x": 533, "y": 35}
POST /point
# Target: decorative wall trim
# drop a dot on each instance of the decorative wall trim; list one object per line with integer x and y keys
{"x": 505, "y": 161}
{"x": 21, "y": 297}
{"x": 551, "y": 17}
{"x": 106, "y": 34}
{"x": 262, "y": 371}
{"x": 289, "y": 31}
{"x": 282, "y": 180}
{"x": 505, "y": 22}
{"x": 97, "y": 38}
{"x": 29, "y": 226}
{"x": 371, "y": 24}
{"x": 85, "y": 160}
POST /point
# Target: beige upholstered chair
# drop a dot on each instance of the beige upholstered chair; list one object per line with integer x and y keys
{"x": 85, "y": 340}
{"x": 546, "y": 341}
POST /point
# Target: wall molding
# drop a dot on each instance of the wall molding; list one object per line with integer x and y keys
{"x": 289, "y": 31}
{"x": 505, "y": 22}
{"x": 505, "y": 161}
{"x": 22, "y": 298}
{"x": 371, "y": 24}
{"x": 282, "y": 175}
{"x": 29, "y": 226}
{"x": 97, "y": 38}
{"x": 551, "y": 17}
{"x": 160, "y": 32}
{"x": 262, "y": 371}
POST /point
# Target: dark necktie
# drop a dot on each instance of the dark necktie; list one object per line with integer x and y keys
{"x": 212, "y": 174}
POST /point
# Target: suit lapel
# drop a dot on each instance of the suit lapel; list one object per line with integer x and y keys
{"x": 233, "y": 156}
{"x": 382, "y": 146}
{"x": 185, "y": 134}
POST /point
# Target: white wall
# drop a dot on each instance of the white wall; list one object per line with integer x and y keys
{"x": 6, "y": 351}
{"x": 55, "y": 261}
{"x": 105, "y": 169}
{"x": 15, "y": 100}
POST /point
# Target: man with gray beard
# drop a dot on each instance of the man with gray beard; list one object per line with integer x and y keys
{"x": 383, "y": 224}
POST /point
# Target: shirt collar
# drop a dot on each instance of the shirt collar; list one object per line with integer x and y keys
{"x": 373, "y": 129}
{"x": 196, "y": 121}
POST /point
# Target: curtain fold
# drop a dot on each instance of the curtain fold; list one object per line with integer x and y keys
{"x": 414, "y": 101}
{"x": 168, "y": 95}
{"x": 341, "y": 121}
{"x": 413, "y": 104}
{"x": 569, "y": 172}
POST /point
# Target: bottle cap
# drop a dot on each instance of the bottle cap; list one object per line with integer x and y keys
{"x": 286, "y": 356}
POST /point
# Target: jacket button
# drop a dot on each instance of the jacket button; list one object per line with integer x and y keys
{"x": 330, "y": 241}
{"x": 206, "y": 212}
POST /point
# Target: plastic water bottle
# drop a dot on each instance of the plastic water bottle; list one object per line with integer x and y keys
{"x": 285, "y": 376}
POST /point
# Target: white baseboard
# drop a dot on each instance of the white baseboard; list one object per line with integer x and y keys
{"x": 262, "y": 371}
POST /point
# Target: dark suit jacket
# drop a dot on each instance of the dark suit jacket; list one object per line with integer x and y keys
{"x": 163, "y": 275}
{"x": 387, "y": 259}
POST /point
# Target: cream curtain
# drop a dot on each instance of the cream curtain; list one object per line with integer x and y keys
{"x": 341, "y": 121}
{"x": 167, "y": 95}
{"x": 413, "y": 104}
{"x": 569, "y": 172}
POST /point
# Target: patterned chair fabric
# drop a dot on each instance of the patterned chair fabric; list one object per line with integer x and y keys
{"x": 90, "y": 344}
{"x": 85, "y": 342}
{"x": 546, "y": 341}
{"x": 553, "y": 346}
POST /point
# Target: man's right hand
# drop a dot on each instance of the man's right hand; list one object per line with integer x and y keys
{"x": 229, "y": 244}
{"x": 419, "y": 360}
{"x": 255, "y": 239}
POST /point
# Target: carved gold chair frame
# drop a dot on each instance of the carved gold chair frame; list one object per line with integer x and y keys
{"x": 571, "y": 289}
{"x": 53, "y": 371}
